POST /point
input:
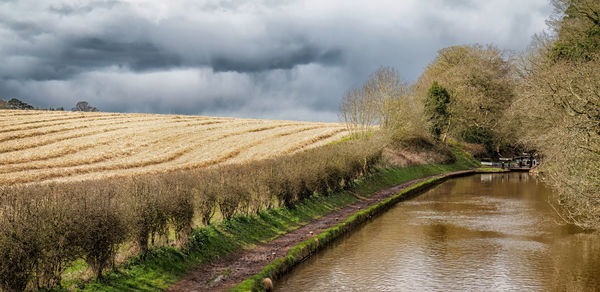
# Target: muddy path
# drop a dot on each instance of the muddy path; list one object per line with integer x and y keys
{"x": 243, "y": 264}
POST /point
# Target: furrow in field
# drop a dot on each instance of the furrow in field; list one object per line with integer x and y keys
{"x": 36, "y": 126}
{"x": 326, "y": 136}
{"x": 308, "y": 141}
{"x": 72, "y": 144}
{"x": 244, "y": 144}
{"x": 40, "y": 123}
{"x": 286, "y": 143}
{"x": 53, "y": 148}
{"x": 18, "y": 121}
{"x": 10, "y": 116}
{"x": 80, "y": 120}
{"x": 42, "y": 140}
{"x": 20, "y": 113}
{"x": 335, "y": 137}
{"x": 209, "y": 155}
{"x": 45, "y": 116}
{"x": 193, "y": 144}
{"x": 33, "y": 119}
{"x": 43, "y": 128}
{"x": 126, "y": 163}
{"x": 112, "y": 147}
{"x": 46, "y": 131}
{"x": 267, "y": 147}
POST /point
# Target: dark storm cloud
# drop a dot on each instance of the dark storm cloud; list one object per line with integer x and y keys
{"x": 287, "y": 60}
{"x": 138, "y": 56}
{"x": 248, "y": 58}
{"x": 23, "y": 28}
{"x": 90, "y": 53}
{"x": 86, "y": 54}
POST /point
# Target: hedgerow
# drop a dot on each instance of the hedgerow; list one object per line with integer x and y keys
{"x": 45, "y": 227}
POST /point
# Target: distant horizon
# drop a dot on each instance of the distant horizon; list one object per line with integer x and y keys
{"x": 168, "y": 114}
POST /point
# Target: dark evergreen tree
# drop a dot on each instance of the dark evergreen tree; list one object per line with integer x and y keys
{"x": 17, "y": 104}
{"x": 436, "y": 109}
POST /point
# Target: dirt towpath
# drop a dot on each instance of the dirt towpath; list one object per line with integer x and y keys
{"x": 247, "y": 263}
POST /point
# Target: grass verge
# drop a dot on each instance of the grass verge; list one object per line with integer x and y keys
{"x": 305, "y": 249}
{"x": 167, "y": 265}
{"x": 395, "y": 176}
{"x": 493, "y": 170}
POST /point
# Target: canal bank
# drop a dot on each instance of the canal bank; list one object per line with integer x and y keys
{"x": 234, "y": 250}
{"x": 485, "y": 232}
{"x": 331, "y": 227}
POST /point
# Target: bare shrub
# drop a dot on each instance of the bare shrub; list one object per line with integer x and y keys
{"x": 232, "y": 196}
{"x": 20, "y": 246}
{"x": 206, "y": 194}
{"x": 179, "y": 192}
{"x": 149, "y": 210}
{"x": 101, "y": 226}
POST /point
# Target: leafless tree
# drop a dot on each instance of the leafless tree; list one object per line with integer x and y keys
{"x": 84, "y": 106}
{"x": 381, "y": 101}
{"x": 558, "y": 108}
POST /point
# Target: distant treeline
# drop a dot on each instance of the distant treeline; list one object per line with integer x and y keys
{"x": 45, "y": 227}
{"x": 16, "y": 104}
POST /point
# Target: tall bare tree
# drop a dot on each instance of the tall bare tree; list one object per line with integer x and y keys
{"x": 558, "y": 108}
{"x": 84, "y": 106}
{"x": 358, "y": 111}
{"x": 382, "y": 100}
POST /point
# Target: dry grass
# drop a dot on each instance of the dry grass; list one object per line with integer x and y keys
{"x": 43, "y": 146}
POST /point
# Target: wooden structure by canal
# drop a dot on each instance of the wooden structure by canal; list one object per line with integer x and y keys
{"x": 523, "y": 162}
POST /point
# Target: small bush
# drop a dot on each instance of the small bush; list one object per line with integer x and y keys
{"x": 148, "y": 210}
{"x": 101, "y": 225}
{"x": 20, "y": 246}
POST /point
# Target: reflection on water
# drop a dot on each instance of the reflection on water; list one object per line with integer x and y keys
{"x": 482, "y": 232}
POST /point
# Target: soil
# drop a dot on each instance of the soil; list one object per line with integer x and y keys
{"x": 227, "y": 272}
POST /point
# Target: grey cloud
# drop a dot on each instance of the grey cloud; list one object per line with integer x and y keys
{"x": 26, "y": 29}
{"x": 288, "y": 59}
{"x": 136, "y": 55}
{"x": 70, "y": 8}
{"x": 281, "y": 60}
{"x": 87, "y": 54}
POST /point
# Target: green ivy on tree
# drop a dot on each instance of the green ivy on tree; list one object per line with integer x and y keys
{"x": 436, "y": 109}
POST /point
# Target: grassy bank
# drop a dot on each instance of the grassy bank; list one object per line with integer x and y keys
{"x": 303, "y": 250}
{"x": 394, "y": 176}
{"x": 297, "y": 254}
{"x": 166, "y": 265}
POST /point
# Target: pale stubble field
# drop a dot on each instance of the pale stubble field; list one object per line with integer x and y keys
{"x": 44, "y": 146}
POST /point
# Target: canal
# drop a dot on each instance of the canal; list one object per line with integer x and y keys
{"x": 480, "y": 232}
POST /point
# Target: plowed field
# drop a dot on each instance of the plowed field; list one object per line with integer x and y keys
{"x": 38, "y": 146}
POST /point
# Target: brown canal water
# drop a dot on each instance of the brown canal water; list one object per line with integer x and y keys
{"x": 477, "y": 233}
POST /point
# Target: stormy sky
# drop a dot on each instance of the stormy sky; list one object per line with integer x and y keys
{"x": 275, "y": 59}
